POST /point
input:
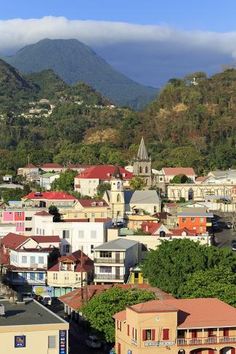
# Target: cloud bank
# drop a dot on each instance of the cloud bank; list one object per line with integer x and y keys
{"x": 148, "y": 53}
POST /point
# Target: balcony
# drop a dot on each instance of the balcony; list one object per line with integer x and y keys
{"x": 109, "y": 260}
{"x": 205, "y": 340}
{"x": 108, "y": 277}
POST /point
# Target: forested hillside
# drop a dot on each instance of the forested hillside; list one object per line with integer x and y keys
{"x": 191, "y": 123}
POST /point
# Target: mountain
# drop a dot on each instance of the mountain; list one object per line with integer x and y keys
{"x": 13, "y": 87}
{"x": 73, "y": 61}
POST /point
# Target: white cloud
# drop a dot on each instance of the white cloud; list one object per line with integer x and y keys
{"x": 16, "y": 33}
{"x": 150, "y": 54}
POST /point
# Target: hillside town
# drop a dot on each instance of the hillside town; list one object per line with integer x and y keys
{"x": 65, "y": 248}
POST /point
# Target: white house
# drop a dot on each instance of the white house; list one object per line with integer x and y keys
{"x": 113, "y": 260}
{"x": 170, "y": 172}
{"x": 46, "y": 180}
{"x": 75, "y": 234}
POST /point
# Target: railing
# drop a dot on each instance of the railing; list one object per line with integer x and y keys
{"x": 109, "y": 260}
{"x": 205, "y": 340}
{"x": 109, "y": 276}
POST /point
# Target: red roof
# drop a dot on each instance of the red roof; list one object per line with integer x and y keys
{"x": 30, "y": 165}
{"x": 104, "y": 172}
{"x": 92, "y": 203}
{"x": 13, "y": 241}
{"x": 76, "y": 298}
{"x": 43, "y": 213}
{"x": 75, "y": 257}
{"x": 179, "y": 232}
{"x": 150, "y": 227}
{"x": 174, "y": 171}
{"x": 51, "y": 165}
{"x": 192, "y": 313}
{"x": 49, "y": 196}
{"x": 46, "y": 239}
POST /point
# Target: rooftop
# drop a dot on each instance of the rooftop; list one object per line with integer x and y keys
{"x": 195, "y": 212}
{"x": 117, "y": 244}
{"x": 104, "y": 172}
{"x": 174, "y": 171}
{"x": 27, "y": 314}
{"x": 145, "y": 197}
{"x": 193, "y": 313}
{"x": 49, "y": 196}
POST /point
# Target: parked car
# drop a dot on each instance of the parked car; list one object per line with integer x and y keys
{"x": 233, "y": 245}
{"x": 93, "y": 342}
{"x": 229, "y": 225}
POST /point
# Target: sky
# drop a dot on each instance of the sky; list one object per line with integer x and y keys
{"x": 148, "y": 40}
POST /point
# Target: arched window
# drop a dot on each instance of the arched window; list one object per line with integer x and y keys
{"x": 118, "y": 198}
{"x": 190, "y": 194}
{"x": 146, "y": 169}
{"x": 140, "y": 169}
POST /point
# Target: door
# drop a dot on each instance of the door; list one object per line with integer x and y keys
{"x": 117, "y": 272}
{"x": 117, "y": 257}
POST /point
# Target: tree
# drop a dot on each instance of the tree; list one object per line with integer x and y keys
{"x": 170, "y": 266}
{"x": 179, "y": 179}
{"x": 100, "y": 309}
{"x": 102, "y": 187}
{"x": 137, "y": 183}
{"x": 53, "y": 210}
{"x": 217, "y": 282}
{"x": 65, "y": 182}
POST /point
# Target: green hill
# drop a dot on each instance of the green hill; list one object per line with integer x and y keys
{"x": 73, "y": 61}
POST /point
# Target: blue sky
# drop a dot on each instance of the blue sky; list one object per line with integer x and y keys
{"x": 214, "y": 15}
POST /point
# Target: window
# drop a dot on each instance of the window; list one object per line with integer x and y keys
{"x": 32, "y": 276}
{"x": 226, "y": 332}
{"x": 28, "y": 229}
{"x": 194, "y": 333}
{"x": 140, "y": 169}
{"x": 40, "y": 276}
{"x": 32, "y": 259}
{"x": 146, "y": 169}
{"x": 24, "y": 259}
{"x": 65, "y": 233}
{"x": 91, "y": 248}
{"x": 119, "y": 325}
{"x": 202, "y": 219}
{"x": 20, "y": 341}
{"x": 28, "y": 218}
{"x": 81, "y": 234}
{"x": 66, "y": 276}
{"x": 51, "y": 342}
{"x": 166, "y": 334}
{"x": 127, "y": 330}
{"x": 54, "y": 276}
{"x": 66, "y": 248}
{"x": 134, "y": 333}
{"x": 105, "y": 254}
{"x": 148, "y": 334}
{"x": 93, "y": 234}
{"x": 192, "y": 219}
{"x": 104, "y": 269}
{"x": 118, "y": 198}
{"x": 41, "y": 260}
{"x": 183, "y": 219}
{"x": 77, "y": 277}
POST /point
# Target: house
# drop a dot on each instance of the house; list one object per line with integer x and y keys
{"x": 21, "y": 218}
{"x": 176, "y": 326}
{"x": 113, "y": 259}
{"x": 25, "y": 259}
{"x": 86, "y": 209}
{"x": 75, "y": 300}
{"x": 196, "y": 219}
{"x": 66, "y": 273}
{"x": 199, "y": 192}
{"x": 75, "y": 234}
{"x": 46, "y": 180}
{"x": 51, "y": 167}
{"x": 134, "y": 222}
{"x": 30, "y": 327}
{"x": 87, "y": 181}
{"x": 70, "y": 272}
{"x": 147, "y": 201}
{"x": 29, "y": 171}
{"x": 170, "y": 172}
{"x": 46, "y": 199}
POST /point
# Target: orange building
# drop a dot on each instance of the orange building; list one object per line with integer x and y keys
{"x": 196, "y": 219}
{"x": 177, "y": 326}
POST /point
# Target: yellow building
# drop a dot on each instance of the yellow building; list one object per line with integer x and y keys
{"x": 31, "y": 328}
{"x": 177, "y": 326}
{"x": 87, "y": 209}
{"x": 70, "y": 272}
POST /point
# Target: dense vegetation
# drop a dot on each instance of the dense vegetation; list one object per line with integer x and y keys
{"x": 100, "y": 309}
{"x": 187, "y": 269}
{"x": 187, "y": 125}
{"x": 73, "y": 61}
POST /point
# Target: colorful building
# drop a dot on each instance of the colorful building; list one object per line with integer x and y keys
{"x": 177, "y": 326}
{"x": 197, "y": 219}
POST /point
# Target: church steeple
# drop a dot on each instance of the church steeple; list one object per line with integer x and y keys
{"x": 142, "y": 154}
